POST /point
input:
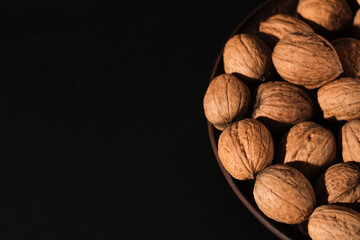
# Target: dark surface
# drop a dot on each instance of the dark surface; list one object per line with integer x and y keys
{"x": 102, "y": 129}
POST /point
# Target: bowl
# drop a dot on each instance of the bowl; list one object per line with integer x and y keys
{"x": 244, "y": 189}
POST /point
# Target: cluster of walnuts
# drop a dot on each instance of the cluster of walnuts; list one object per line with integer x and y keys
{"x": 297, "y": 77}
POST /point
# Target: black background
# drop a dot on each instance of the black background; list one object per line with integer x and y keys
{"x": 102, "y": 130}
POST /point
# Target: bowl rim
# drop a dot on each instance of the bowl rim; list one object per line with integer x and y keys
{"x": 254, "y": 211}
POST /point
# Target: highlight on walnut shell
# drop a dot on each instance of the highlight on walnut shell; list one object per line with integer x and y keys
{"x": 334, "y": 222}
{"x": 326, "y": 16}
{"x": 339, "y": 184}
{"x": 280, "y": 104}
{"x": 348, "y": 50}
{"x": 245, "y": 148}
{"x": 350, "y": 141}
{"x": 248, "y": 56}
{"x": 340, "y": 99}
{"x": 284, "y": 194}
{"x": 310, "y": 148}
{"x": 306, "y": 59}
{"x": 356, "y": 24}
{"x": 279, "y": 25}
{"x": 226, "y": 99}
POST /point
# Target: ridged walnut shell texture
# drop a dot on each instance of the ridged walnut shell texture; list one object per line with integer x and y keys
{"x": 310, "y": 148}
{"x": 326, "y": 16}
{"x": 226, "y": 99}
{"x": 350, "y": 141}
{"x": 340, "y": 99}
{"x": 281, "y": 104}
{"x": 348, "y": 50}
{"x": 306, "y": 59}
{"x": 245, "y": 148}
{"x": 279, "y": 25}
{"x": 284, "y": 194}
{"x": 248, "y": 56}
{"x": 356, "y": 24}
{"x": 340, "y": 183}
{"x": 335, "y": 223}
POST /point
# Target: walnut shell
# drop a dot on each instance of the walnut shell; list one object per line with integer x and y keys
{"x": 245, "y": 148}
{"x": 226, "y": 99}
{"x": 326, "y": 16}
{"x": 356, "y": 24}
{"x": 340, "y": 183}
{"x": 310, "y": 148}
{"x": 350, "y": 141}
{"x": 277, "y": 26}
{"x": 340, "y": 99}
{"x": 284, "y": 194}
{"x": 248, "y": 56}
{"x": 281, "y": 104}
{"x": 348, "y": 50}
{"x": 306, "y": 59}
{"x": 334, "y": 222}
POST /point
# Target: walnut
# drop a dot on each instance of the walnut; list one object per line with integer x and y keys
{"x": 334, "y": 222}
{"x": 281, "y": 104}
{"x": 284, "y": 194}
{"x": 340, "y": 99}
{"x": 248, "y": 56}
{"x": 310, "y": 148}
{"x": 356, "y": 24}
{"x": 277, "y": 26}
{"x": 348, "y": 50}
{"x": 340, "y": 184}
{"x": 226, "y": 99}
{"x": 350, "y": 141}
{"x": 306, "y": 59}
{"x": 245, "y": 148}
{"x": 326, "y": 16}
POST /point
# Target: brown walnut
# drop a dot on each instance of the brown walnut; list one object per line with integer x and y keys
{"x": 356, "y": 24}
{"x": 310, "y": 148}
{"x": 277, "y": 26}
{"x": 339, "y": 184}
{"x": 284, "y": 194}
{"x": 340, "y": 99}
{"x": 326, "y": 16}
{"x": 348, "y": 50}
{"x": 280, "y": 104}
{"x": 226, "y": 99}
{"x": 334, "y": 222}
{"x": 306, "y": 59}
{"x": 248, "y": 56}
{"x": 350, "y": 141}
{"x": 245, "y": 148}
